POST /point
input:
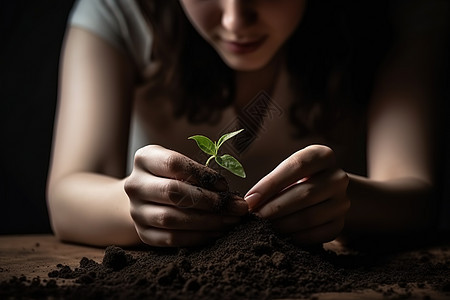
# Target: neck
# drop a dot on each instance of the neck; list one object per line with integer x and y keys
{"x": 250, "y": 83}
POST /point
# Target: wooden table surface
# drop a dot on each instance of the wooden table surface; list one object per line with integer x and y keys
{"x": 37, "y": 255}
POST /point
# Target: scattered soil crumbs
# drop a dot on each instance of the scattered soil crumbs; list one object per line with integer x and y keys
{"x": 250, "y": 263}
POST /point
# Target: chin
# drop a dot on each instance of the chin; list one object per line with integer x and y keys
{"x": 245, "y": 65}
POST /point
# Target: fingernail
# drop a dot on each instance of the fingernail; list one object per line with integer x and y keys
{"x": 230, "y": 220}
{"x": 252, "y": 199}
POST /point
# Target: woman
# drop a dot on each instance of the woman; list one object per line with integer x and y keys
{"x": 275, "y": 68}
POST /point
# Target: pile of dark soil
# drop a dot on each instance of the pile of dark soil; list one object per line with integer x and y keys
{"x": 252, "y": 262}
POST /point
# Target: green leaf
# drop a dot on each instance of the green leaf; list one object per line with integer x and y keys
{"x": 231, "y": 164}
{"x": 227, "y": 136}
{"x": 205, "y": 144}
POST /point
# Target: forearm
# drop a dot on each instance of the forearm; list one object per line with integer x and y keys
{"x": 389, "y": 207}
{"x": 91, "y": 209}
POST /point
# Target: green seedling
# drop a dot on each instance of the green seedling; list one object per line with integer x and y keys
{"x": 211, "y": 148}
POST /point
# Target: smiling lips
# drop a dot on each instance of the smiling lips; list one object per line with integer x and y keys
{"x": 243, "y": 47}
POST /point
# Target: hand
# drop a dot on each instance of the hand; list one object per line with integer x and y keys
{"x": 174, "y": 202}
{"x": 304, "y": 196}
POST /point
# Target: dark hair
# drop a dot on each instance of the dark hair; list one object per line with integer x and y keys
{"x": 319, "y": 59}
{"x": 187, "y": 64}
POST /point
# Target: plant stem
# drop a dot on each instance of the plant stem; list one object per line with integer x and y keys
{"x": 209, "y": 159}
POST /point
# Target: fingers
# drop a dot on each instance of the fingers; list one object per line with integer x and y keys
{"x": 166, "y": 191}
{"x": 167, "y": 177}
{"x": 313, "y": 216}
{"x": 320, "y": 234}
{"x": 175, "y": 201}
{"x": 300, "y": 165}
{"x": 305, "y": 196}
{"x": 166, "y": 163}
{"x": 171, "y": 227}
{"x": 172, "y": 238}
{"x": 167, "y": 217}
{"x": 321, "y": 187}
{"x": 312, "y": 211}
{"x": 172, "y": 192}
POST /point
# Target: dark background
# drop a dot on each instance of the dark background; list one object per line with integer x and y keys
{"x": 31, "y": 36}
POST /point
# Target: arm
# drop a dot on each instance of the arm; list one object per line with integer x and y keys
{"x": 310, "y": 198}
{"x": 398, "y": 195}
{"x": 161, "y": 203}
{"x": 86, "y": 200}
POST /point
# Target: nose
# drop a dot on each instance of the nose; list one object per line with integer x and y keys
{"x": 237, "y": 15}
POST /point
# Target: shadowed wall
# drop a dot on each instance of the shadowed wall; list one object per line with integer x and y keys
{"x": 31, "y": 37}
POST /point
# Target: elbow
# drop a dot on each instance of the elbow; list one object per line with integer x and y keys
{"x": 55, "y": 223}
{"x": 57, "y": 232}
{"x": 61, "y": 218}
{"x": 55, "y": 212}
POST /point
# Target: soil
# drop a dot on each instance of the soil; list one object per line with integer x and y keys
{"x": 251, "y": 262}
{"x": 208, "y": 180}
{"x": 215, "y": 181}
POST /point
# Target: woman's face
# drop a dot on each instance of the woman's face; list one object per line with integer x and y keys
{"x": 245, "y": 33}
